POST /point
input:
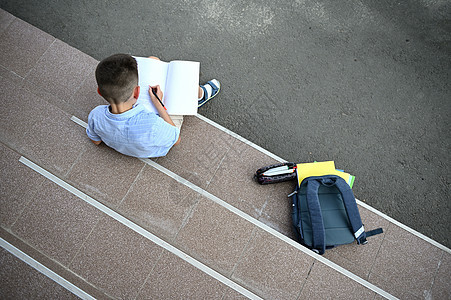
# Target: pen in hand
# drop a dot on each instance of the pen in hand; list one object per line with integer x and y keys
{"x": 158, "y": 98}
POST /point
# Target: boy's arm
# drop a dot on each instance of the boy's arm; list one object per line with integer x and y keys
{"x": 161, "y": 110}
{"x": 93, "y": 137}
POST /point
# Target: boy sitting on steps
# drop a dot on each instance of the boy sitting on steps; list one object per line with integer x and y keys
{"x": 128, "y": 128}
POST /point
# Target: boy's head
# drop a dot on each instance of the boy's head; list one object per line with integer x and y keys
{"x": 117, "y": 77}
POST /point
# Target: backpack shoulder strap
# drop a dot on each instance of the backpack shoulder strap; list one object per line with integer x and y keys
{"x": 352, "y": 210}
{"x": 316, "y": 217}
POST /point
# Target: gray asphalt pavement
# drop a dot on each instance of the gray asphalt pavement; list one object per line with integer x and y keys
{"x": 364, "y": 83}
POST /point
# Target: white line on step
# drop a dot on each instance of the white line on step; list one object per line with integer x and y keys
{"x": 264, "y": 226}
{"x": 108, "y": 211}
{"x": 44, "y": 270}
{"x": 370, "y": 208}
{"x": 268, "y": 229}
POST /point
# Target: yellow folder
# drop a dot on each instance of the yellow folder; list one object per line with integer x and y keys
{"x": 305, "y": 170}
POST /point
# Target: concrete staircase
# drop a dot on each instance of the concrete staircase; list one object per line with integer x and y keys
{"x": 82, "y": 220}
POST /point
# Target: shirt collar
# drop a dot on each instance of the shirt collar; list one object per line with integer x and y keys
{"x": 125, "y": 115}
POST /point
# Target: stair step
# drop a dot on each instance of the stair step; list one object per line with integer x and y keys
{"x": 192, "y": 224}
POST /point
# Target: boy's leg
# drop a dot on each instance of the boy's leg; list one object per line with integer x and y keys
{"x": 178, "y": 120}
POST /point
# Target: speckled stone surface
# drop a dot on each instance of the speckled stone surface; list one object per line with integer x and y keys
{"x": 84, "y": 99}
{"x": 14, "y": 191}
{"x": 53, "y": 140}
{"x": 200, "y": 152}
{"x": 16, "y": 117}
{"x": 60, "y": 71}
{"x": 237, "y": 170}
{"x": 103, "y": 173}
{"x": 116, "y": 259}
{"x": 159, "y": 203}
{"x": 277, "y": 209}
{"x": 56, "y": 222}
{"x": 441, "y": 288}
{"x": 22, "y": 46}
{"x": 44, "y": 81}
{"x": 173, "y": 278}
{"x": 326, "y": 283}
{"x": 5, "y": 20}
{"x": 405, "y": 261}
{"x": 20, "y": 281}
{"x": 39, "y": 130}
{"x": 271, "y": 267}
{"x": 215, "y": 236}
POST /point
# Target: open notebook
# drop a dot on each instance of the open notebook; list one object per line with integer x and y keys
{"x": 179, "y": 81}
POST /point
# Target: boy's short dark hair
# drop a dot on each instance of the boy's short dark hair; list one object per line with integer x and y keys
{"x": 117, "y": 76}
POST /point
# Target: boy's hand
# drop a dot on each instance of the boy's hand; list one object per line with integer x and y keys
{"x": 156, "y": 100}
{"x": 157, "y": 91}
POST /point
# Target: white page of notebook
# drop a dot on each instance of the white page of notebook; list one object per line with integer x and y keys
{"x": 179, "y": 81}
{"x": 151, "y": 72}
{"x": 182, "y": 87}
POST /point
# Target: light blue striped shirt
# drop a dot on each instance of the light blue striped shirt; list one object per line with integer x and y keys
{"x": 136, "y": 132}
